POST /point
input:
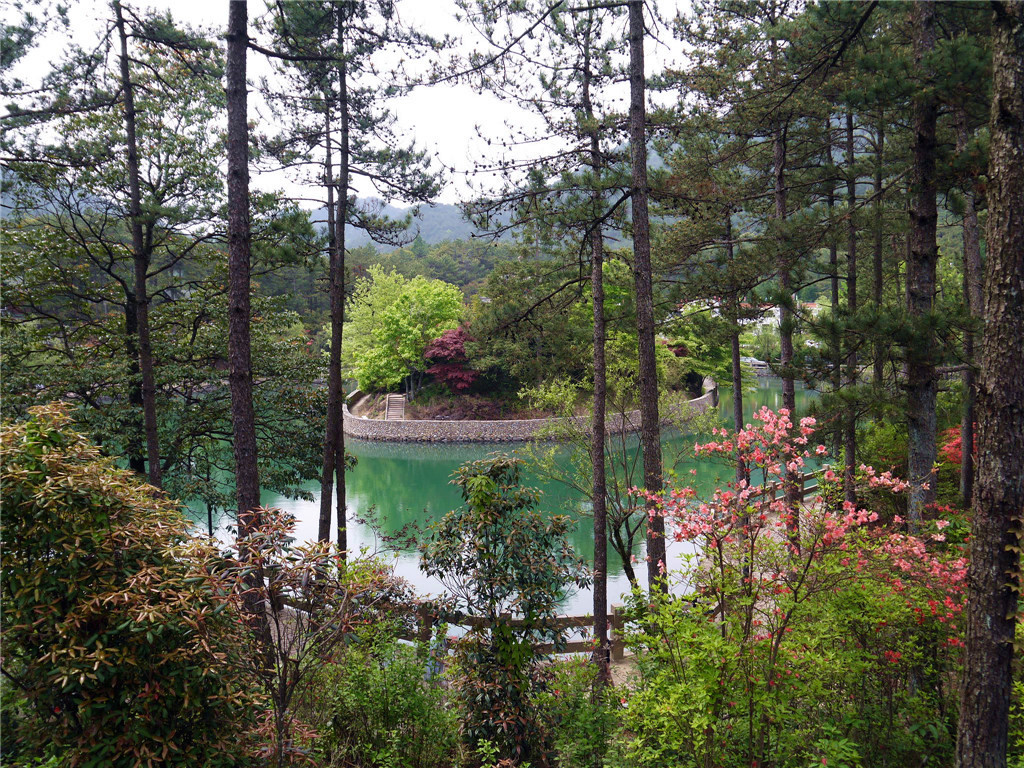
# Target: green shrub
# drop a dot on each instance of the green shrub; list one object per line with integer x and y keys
{"x": 111, "y": 628}
{"x": 499, "y": 558}
{"x": 581, "y": 715}
{"x": 374, "y": 707}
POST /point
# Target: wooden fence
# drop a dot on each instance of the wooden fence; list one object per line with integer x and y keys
{"x": 426, "y": 620}
{"x": 807, "y": 487}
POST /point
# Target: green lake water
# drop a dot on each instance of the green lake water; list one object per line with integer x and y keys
{"x": 396, "y": 484}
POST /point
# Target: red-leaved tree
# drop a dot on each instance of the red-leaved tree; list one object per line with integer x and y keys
{"x": 451, "y": 364}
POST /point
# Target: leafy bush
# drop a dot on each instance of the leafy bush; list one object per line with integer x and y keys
{"x": 374, "y": 707}
{"x": 819, "y": 635}
{"x": 303, "y": 602}
{"x": 390, "y": 322}
{"x": 498, "y": 557}
{"x": 580, "y": 713}
{"x": 112, "y": 629}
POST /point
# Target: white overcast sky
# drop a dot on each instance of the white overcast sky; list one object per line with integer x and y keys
{"x": 447, "y": 120}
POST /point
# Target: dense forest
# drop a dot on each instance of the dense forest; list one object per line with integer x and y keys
{"x": 682, "y": 200}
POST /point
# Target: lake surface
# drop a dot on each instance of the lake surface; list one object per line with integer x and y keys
{"x": 400, "y": 484}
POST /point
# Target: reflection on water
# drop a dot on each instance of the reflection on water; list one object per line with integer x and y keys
{"x": 402, "y": 484}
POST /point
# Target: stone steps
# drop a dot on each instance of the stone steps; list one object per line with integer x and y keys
{"x": 395, "y": 408}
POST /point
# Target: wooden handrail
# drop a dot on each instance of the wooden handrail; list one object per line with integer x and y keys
{"x": 425, "y": 620}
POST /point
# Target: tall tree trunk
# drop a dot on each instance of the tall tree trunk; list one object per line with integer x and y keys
{"x": 835, "y": 340}
{"x": 850, "y": 425}
{"x": 734, "y": 342}
{"x": 333, "y": 384}
{"x": 650, "y": 423}
{"x": 994, "y": 575}
{"x": 140, "y": 261}
{"x": 243, "y": 419}
{"x": 921, "y": 379}
{"x": 332, "y": 481}
{"x": 599, "y": 493}
{"x": 136, "y": 458}
{"x": 972, "y": 298}
{"x": 786, "y": 322}
{"x": 878, "y": 363}
{"x": 338, "y": 281}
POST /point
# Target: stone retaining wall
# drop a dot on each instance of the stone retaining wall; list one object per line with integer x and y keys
{"x": 498, "y": 431}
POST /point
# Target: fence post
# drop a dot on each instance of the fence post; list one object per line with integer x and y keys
{"x": 423, "y": 621}
{"x": 618, "y": 624}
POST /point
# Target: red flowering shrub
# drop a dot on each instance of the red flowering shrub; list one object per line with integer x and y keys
{"x": 951, "y": 447}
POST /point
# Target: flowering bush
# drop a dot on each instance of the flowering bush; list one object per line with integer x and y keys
{"x": 813, "y": 634}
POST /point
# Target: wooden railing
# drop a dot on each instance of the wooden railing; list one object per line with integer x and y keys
{"x": 426, "y": 620}
{"x": 807, "y": 485}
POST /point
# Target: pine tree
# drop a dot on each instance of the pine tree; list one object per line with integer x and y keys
{"x": 994, "y": 574}
{"x": 81, "y": 146}
{"x": 243, "y": 417}
{"x": 341, "y": 122}
{"x": 570, "y": 194}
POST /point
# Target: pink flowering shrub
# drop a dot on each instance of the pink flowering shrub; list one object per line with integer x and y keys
{"x": 817, "y": 634}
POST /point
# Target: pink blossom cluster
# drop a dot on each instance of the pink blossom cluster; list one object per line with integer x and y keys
{"x": 883, "y": 480}
{"x": 736, "y": 515}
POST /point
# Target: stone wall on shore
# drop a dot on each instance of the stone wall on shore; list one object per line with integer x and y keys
{"x": 497, "y": 431}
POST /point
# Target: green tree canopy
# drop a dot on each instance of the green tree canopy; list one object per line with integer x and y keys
{"x": 391, "y": 320}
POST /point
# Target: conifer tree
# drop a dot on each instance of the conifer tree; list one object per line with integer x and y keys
{"x": 921, "y": 264}
{"x": 994, "y": 576}
{"x": 571, "y": 193}
{"x": 85, "y": 149}
{"x": 243, "y": 417}
{"x": 341, "y": 125}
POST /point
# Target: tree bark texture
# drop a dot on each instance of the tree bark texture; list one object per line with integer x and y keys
{"x": 136, "y": 458}
{"x": 734, "y": 343}
{"x": 994, "y": 574}
{"x": 786, "y": 321}
{"x": 878, "y": 363}
{"x": 332, "y": 482}
{"x": 921, "y": 379}
{"x": 835, "y": 340}
{"x": 973, "y": 300}
{"x": 338, "y": 280}
{"x": 243, "y": 417}
{"x": 599, "y": 492}
{"x": 650, "y": 423}
{"x": 140, "y": 263}
{"x": 330, "y": 438}
{"x": 850, "y": 422}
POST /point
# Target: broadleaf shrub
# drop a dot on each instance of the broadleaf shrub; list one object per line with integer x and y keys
{"x": 112, "y": 628}
{"x": 374, "y": 706}
{"x": 820, "y": 635}
{"x": 580, "y": 713}
{"x": 500, "y": 559}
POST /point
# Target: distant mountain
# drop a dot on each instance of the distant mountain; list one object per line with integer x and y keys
{"x": 435, "y": 224}
{"x": 440, "y": 221}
